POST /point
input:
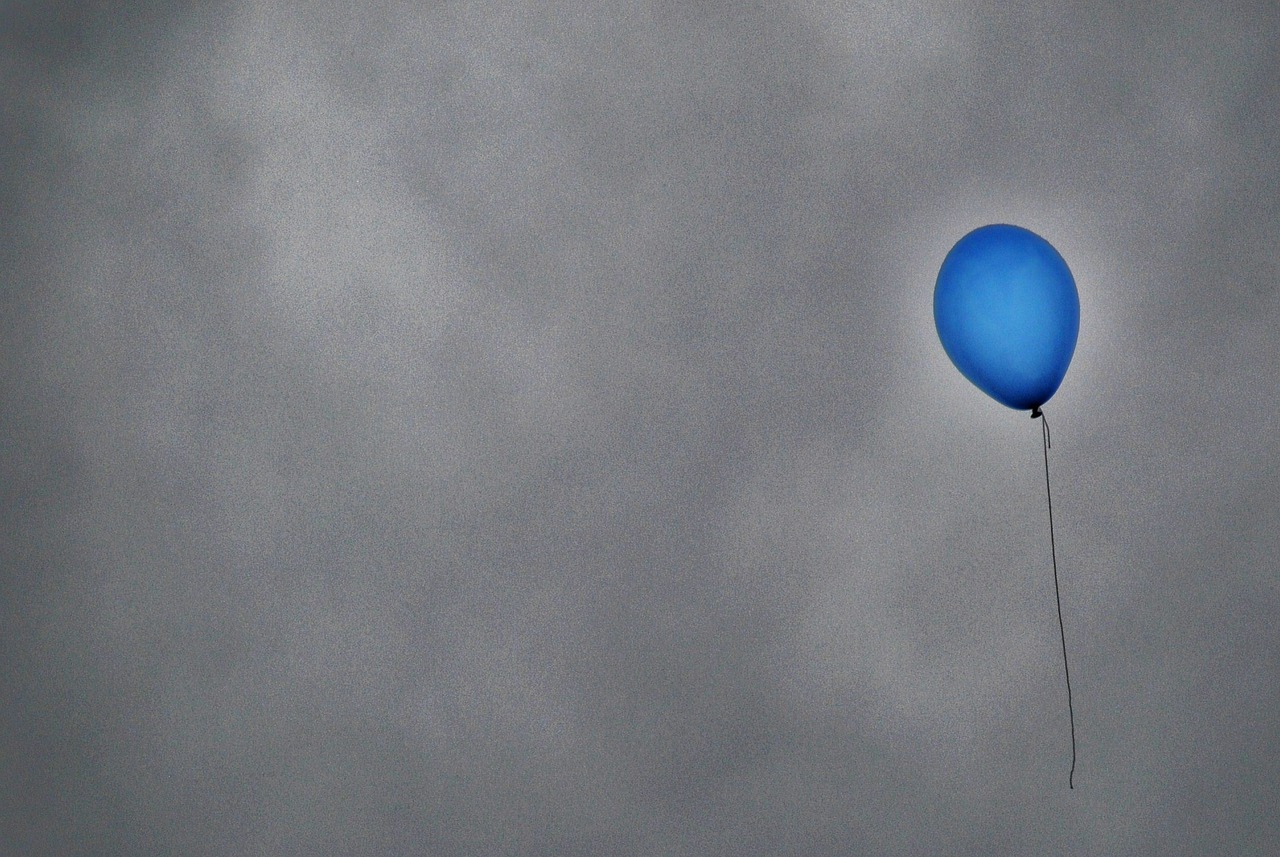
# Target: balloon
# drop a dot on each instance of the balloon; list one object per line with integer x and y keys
{"x": 1008, "y": 314}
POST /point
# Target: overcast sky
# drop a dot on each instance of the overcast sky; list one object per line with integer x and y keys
{"x": 519, "y": 428}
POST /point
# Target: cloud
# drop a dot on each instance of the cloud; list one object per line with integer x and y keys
{"x": 486, "y": 428}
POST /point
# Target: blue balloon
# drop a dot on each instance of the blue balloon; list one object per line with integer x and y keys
{"x": 1008, "y": 314}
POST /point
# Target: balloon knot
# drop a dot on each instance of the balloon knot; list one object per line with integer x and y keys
{"x": 1035, "y": 412}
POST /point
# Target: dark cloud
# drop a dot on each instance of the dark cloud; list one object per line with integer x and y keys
{"x": 493, "y": 428}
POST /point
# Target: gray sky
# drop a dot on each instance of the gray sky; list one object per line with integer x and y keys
{"x": 519, "y": 428}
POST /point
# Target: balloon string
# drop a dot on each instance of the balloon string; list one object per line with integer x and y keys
{"x": 1053, "y": 551}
